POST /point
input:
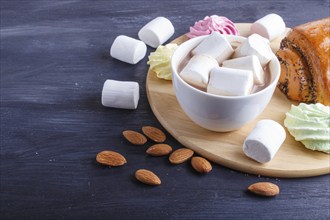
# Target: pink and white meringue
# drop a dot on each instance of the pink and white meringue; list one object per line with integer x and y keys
{"x": 211, "y": 24}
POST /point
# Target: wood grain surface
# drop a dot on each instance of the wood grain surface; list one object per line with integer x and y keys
{"x": 54, "y": 59}
{"x": 226, "y": 148}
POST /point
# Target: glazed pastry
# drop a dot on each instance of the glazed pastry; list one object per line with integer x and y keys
{"x": 304, "y": 57}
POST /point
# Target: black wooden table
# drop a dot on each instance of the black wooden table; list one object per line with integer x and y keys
{"x": 54, "y": 61}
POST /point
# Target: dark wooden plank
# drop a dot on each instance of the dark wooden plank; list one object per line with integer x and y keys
{"x": 54, "y": 60}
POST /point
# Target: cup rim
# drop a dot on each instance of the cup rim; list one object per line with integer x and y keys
{"x": 199, "y": 38}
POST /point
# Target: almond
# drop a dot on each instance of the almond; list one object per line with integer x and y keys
{"x": 154, "y": 134}
{"x": 159, "y": 150}
{"x": 264, "y": 189}
{"x": 201, "y": 165}
{"x": 135, "y": 137}
{"x": 110, "y": 158}
{"x": 147, "y": 177}
{"x": 181, "y": 155}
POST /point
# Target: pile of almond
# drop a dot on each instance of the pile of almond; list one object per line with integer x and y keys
{"x": 111, "y": 158}
{"x": 200, "y": 164}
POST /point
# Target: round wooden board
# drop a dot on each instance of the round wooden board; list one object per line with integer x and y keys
{"x": 291, "y": 161}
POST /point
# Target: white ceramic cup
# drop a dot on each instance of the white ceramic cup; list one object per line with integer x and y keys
{"x": 215, "y": 112}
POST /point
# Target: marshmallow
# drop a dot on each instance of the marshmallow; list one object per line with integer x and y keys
{"x": 118, "y": 94}
{"x": 264, "y": 141}
{"x": 214, "y": 45}
{"x": 269, "y": 26}
{"x": 230, "y": 82}
{"x": 156, "y": 32}
{"x": 197, "y": 70}
{"x": 255, "y": 45}
{"x": 247, "y": 63}
{"x": 128, "y": 49}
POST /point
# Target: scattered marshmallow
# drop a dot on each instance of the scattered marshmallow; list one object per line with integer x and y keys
{"x": 128, "y": 49}
{"x": 197, "y": 70}
{"x": 264, "y": 141}
{"x": 255, "y": 45}
{"x": 247, "y": 63}
{"x": 231, "y": 82}
{"x": 156, "y": 32}
{"x": 216, "y": 46}
{"x": 270, "y": 26}
{"x": 119, "y": 94}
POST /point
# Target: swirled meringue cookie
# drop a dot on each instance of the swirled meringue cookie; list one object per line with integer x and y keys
{"x": 310, "y": 124}
{"x": 211, "y": 24}
{"x": 160, "y": 61}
